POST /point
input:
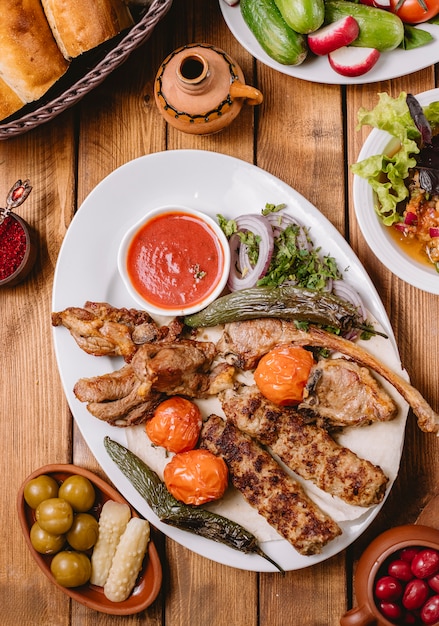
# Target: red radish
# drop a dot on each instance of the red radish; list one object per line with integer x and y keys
{"x": 353, "y": 61}
{"x": 379, "y": 4}
{"x": 332, "y": 36}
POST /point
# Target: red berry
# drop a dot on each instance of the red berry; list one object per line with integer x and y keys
{"x": 425, "y": 563}
{"x": 430, "y": 610}
{"x": 415, "y": 594}
{"x": 391, "y": 610}
{"x": 401, "y": 570}
{"x": 388, "y": 588}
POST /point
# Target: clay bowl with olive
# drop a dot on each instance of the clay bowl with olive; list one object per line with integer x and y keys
{"x": 59, "y": 508}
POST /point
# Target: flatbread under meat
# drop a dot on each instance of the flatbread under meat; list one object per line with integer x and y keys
{"x": 306, "y": 449}
{"x": 268, "y": 488}
{"x": 246, "y": 342}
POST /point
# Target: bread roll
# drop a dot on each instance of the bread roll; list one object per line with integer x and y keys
{"x": 30, "y": 60}
{"x": 79, "y": 25}
{"x": 9, "y": 101}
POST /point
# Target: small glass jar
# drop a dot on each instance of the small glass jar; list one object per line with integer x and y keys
{"x": 18, "y": 245}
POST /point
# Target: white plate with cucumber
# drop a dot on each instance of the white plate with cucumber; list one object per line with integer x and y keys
{"x": 391, "y": 64}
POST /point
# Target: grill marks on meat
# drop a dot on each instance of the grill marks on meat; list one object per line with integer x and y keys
{"x": 342, "y": 393}
{"x": 244, "y": 343}
{"x": 268, "y": 488}
{"x": 103, "y": 330}
{"x": 305, "y": 448}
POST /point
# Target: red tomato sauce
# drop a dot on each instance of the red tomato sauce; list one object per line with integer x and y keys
{"x": 175, "y": 260}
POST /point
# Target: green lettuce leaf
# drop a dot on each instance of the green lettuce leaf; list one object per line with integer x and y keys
{"x": 386, "y": 173}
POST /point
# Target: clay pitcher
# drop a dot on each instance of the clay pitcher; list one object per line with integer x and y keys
{"x": 200, "y": 89}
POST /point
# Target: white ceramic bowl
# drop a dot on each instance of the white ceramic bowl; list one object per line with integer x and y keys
{"x": 377, "y": 236}
{"x": 177, "y": 308}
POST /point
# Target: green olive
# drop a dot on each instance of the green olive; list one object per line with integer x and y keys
{"x": 39, "y": 489}
{"x": 44, "y": 542}
{"x": 79, "y": 492}
{"x": 84, "y": 532}
{"x": 55, "y": 515}
{"x": 71, "y": 569}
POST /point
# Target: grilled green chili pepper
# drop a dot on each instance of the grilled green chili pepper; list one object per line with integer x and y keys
{"x": 170, "y": 511}
{"x": 286, "y": 301}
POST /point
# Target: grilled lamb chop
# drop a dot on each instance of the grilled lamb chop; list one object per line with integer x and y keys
{"x": 341, "y": 393}
{"x": 130, "y": 395}
{"x": 176, "y": 368}
{"x": 305, "y": 448}
{"x": 118, "y": 398}
{"x": 246, "y": 342}
{"x": 267, "y": 487}
{"x": 103, "y": 330}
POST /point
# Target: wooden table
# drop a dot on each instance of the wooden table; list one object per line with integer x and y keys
{"x": 303, "y": 133}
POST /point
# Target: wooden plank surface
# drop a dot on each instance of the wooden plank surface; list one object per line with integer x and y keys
{"x": 304, "y": 133}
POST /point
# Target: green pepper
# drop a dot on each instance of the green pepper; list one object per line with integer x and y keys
{"x": 170, "y": 511}
{"x": 286, "y": 302}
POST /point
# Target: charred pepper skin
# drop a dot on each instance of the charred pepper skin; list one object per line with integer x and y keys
{"x": 285, "y": 302}
{"x": 170, "y": 511}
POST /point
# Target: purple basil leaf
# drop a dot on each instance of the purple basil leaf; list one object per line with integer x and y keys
{"x": 429, "y": 180}
{"x": 419, "y": 119}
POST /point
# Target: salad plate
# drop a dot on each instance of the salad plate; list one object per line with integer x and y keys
{"x": 377, "y": 235}
{"x": 316, "y": 69}
{"x": 86, "y": 270}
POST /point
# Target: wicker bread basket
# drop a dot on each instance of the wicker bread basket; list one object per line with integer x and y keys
{"x": 86, "y": 73}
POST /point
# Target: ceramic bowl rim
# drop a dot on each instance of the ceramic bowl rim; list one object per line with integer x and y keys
{"x": 176, "y": 311}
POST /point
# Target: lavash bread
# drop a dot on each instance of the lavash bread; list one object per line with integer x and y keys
{"x": 30, "y": 60}
{"x": 80, "y": 25}
{"x": 9, "y": 101}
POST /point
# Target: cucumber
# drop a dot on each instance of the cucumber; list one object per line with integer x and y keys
{"x": 303, "y": 16}
{"x": 378, "y": 28}
{"x": 273, "y": 34}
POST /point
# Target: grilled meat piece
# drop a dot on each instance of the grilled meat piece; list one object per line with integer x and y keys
{"x": 305, "y": 448}
{"x": 175, "y": 368}
{"x": 130, "y": 395}
{"x": 103, "y": 330}
{"x": 119, "y": 398}
{"x": 342, "y": 393}
{"x": 244, "y": 343}
{"x": 267, "y": 487}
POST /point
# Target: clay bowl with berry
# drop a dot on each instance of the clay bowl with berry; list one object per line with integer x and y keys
{"x": 397, "y": 579}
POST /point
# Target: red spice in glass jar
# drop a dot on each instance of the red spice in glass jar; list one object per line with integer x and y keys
{"x": 12, "y": 246}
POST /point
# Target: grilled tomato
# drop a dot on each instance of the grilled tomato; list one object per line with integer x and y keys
{"x": 196, "y": 476}
{"x": 282, "y": 373}
{"x": 175, "y": 425}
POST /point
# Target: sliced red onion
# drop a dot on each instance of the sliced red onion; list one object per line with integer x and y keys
{"x": 344, "y": 290}
{"x": 280, "y": 220}
{"x": 410, "y": 218}
{"x": 242, "y": 274}
{"x": 434, "y": 232}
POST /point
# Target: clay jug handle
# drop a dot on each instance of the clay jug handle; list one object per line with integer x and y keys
{"x": 252, "y": 95}
{"x": 359, "y": 616}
